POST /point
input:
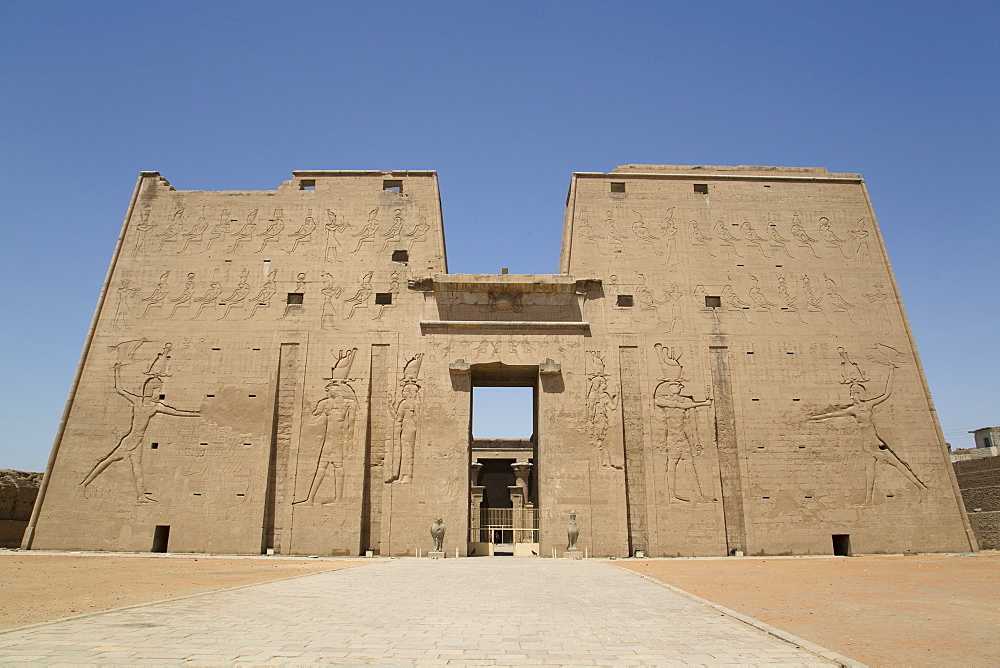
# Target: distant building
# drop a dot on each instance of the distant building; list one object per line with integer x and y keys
{"x": 986, "y": 437}
{"x": 978, "y": 473}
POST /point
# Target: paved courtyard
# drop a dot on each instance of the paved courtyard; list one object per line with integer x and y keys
{"x": 419, "y": 612}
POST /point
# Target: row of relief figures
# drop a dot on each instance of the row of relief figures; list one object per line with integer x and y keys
{"x": 687, "y": 443}
{"x": 251, "y": 233}
{"x": 737, "y": 240}
{"x": 788, "y": 300}
{"x": 212, "y": 299}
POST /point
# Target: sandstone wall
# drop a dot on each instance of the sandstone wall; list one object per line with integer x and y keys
{"x": 979, "y": 480}
{"x": 18, "y": 490}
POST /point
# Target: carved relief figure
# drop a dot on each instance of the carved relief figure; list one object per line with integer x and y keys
{"x": 861, "y": 249}
{"x": 263, "y": 298}
{"x": 801, "y": 236}
{"x": 183, "y": 300}
{"x": 155, "y": 299}
{"x": 220, "y": 230}
{"x": 670, "y": 241}
{"x": 727, "y": 238}
{"x": 239, "y": 295}
{"x": 830, "y": 237}
{"x": 879, "y": 298}
{"x": 643, "y": 234}
{"x": 672, "y": 299}
{"x": 330, "y": 292}
{"x": 787, "y": 298}
{"x": 778, "y": 241}
{"x": 734, "y": 303}
{"x": 838, "y": 302}
{"x": 753, "y": 239}
{"x": 195, "y": 235}
{"x": 681, "y": 439}
{"x": 246, "y": 231}
{"x": 273, "y": 230}
{"x": 815, "y": 301}
{"x": 123, "y": 311}
{"x": 405, "y": 415}
{"x": 361, "y": 297}
{"x": 600, "y": 405}
{"x": 303, "y": 235}
{"x": 419, "y": 231}
{"x": 759, "y": 299}
{"x": 699, "y": 239}
{"x": 141, "y": 230}
{"x": 394, "y": 291}
{"x": 145, "y": 406}
{"x": 395, "y": 231}
{"x": 210, "y": 298}
{"x": 863, "y": 412}
{"x": 333, "y": 228}
{"x": 369, "y": 230}
{"x": 612, "y": 235}
{"x": 337, "y": 414}
{"x": 173, "y": 230}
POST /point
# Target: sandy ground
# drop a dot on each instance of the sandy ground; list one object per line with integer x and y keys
{"x": 37, "y": 587}
{"x": 921, "y": 610}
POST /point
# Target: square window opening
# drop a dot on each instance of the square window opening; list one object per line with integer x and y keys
{"x": 617, "y": 187}
{"x": 701, "y": 188}
{"x": 383, "y": 297}
{"x": 841, "y": 544}
{"x": 393, "y": 185}
{"x": 626, "y": 300}
{"x": 307, "y": 184}
{"x": 154, "y": 446}
{"x": 713, "y": 301}
{"x": 400, "y": 256}
{"x": 295, "y": 297}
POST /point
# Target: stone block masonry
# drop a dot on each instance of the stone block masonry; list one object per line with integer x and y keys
{"x": 722, "y": 366}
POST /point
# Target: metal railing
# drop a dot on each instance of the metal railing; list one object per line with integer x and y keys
{"x": 504, "y": 526}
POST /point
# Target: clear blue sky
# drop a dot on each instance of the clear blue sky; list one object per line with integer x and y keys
{"x": 505, "y": 101}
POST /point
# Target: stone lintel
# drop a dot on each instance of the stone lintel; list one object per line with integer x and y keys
{"x": 504, "y": 326}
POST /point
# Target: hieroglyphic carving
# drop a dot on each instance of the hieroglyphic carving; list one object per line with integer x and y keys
{"x": 670, "y": 233}
{"x": 331, "y": 291}
{"x": 862, "y": 410}
{"x": 368, "y": 232}
{"x": 361, "y": 297}
{"x": 303, "y": 235}
{"x": 682, "y": 445}
{"x": 406, "y": 416}
{"x": 245, "y": 232}
{"x": 601, "y": 404}
{"x": 300, "y": 288}
{"x": 273, "y": 231}
{"x": 734, "y": 303}
{"x": 504, "y": 301}
{"x": 334, "y": 226}
{"x": 612, "y": 234}
{"x": 184, "y": 299}
{"x": 155, "y": 299}
{"x": 145, "y": 406}
{"x": 815, "y": 301}
{"x": 672, "y": 304}
{"x": 337, "y": 414}
{"x": 643, "y": 234}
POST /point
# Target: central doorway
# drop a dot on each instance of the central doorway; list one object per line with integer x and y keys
{"x": 503, "y": 490}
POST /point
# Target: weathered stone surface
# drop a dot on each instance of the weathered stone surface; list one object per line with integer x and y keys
{"x": 18, "y": 490}
{"x": 722, "y": 365}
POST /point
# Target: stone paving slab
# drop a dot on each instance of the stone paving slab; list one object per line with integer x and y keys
{"x": 500, "y": 611}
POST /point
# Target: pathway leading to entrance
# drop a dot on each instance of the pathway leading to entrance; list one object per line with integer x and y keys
{"x": 500, "y": 611}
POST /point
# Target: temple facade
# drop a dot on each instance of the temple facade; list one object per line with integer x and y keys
{"x": 721, "y": 366}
